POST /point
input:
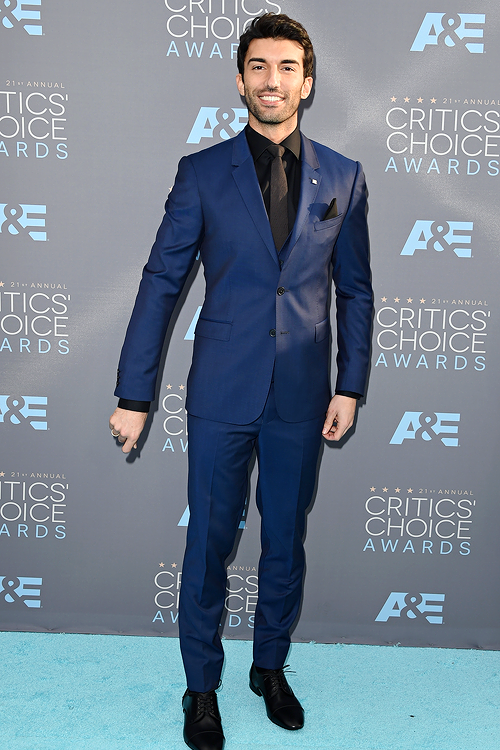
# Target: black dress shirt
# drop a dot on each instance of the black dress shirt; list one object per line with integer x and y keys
{"x": 262, "y": 160}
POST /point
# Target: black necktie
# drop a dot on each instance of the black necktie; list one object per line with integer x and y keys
{"x": 278, "y": 204}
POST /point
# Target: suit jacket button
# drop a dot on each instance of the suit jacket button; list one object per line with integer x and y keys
{"x": 272, "y": 332}
{"x": 281, "y": 290}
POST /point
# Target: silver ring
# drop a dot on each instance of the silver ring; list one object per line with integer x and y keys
{"x": 115, "y": 435}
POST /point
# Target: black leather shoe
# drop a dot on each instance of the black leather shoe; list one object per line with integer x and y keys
{"x": 202, "y": 724}
{"x": 282, "y": 706}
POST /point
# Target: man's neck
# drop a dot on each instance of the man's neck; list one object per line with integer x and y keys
{"x": 274, "y": 132}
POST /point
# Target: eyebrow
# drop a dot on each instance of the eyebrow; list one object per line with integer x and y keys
{"x": 282, "y": 62}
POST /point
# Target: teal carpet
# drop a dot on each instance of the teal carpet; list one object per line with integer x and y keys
{"x": 106, "y": 692}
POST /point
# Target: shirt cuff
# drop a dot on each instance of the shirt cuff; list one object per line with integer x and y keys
{"x": 130, "y": 405}
{"x": 351, "y": 394}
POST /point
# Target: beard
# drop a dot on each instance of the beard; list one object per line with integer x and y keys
{"x": 272, "y": 116}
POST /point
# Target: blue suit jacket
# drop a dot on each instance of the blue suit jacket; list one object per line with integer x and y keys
{"x": 246, "y": 328}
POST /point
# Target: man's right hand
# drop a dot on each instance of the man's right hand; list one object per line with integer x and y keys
{"x": 126, "y": 426}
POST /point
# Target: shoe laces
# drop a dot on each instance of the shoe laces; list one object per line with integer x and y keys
{"x": 207, "y": 704}
{"x": 277, "y": 680}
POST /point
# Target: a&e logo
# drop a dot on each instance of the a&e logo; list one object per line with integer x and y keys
{"x": 14, "y": 12}
{"x": 184, "y": 519}
{"x": 21, "y": 590}
{"x": 212, "y": 122}
{"x": 23, "y": 218}
{"x": 412, "y": 607}
{"x": 440, "y": 236}
{"x": 415, "y": 425}
{"x": 453, "y": 29}
{"x": 17, "y": 410}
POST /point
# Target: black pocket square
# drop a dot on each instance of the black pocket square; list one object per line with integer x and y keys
{"x": 331, "y": 211}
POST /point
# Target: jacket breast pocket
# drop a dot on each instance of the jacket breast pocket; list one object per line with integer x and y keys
{"x": 213, "y": 329}
{"x": 322, "y": 330}
{"x": 329, "y": 223}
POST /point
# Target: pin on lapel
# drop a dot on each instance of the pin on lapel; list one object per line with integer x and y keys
{"x": 314, "y": 182}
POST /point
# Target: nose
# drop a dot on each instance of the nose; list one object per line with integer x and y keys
{"x": 273, "y": 79}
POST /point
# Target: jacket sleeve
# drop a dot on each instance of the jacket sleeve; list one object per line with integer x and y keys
{"x": 354, "y": 296}
{"x": 172, "y": 256}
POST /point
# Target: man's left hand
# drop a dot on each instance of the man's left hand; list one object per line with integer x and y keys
{"x": 339, "y": 417}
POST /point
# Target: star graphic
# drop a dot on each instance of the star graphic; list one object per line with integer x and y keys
{"x": 169, "y": 387}
{"x": 384, "y": 299}
{"x": 1, "y": 283}
{"x": 422, "y": 301}
{"x": 384, "y": 489}
{"x": 2, "y": 473}
{"x": 409, "y": 299}
{"x": 174, "y": 565}
{"x": 398, "y": 490}
{"x": 162, "y": 565}
{"x": 433, "y": 101}
{"x": 420, "y": 100}
{"x": 396, "y": 299}
{"x": 181, "y": 387}
{"x": 407, "y": 99}
{"x": 393, "y": 98}
{"x": 372, "y": 489}
{"x": 409, "y": 490}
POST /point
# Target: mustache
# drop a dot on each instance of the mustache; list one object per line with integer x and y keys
{"x": 271, "y": 92}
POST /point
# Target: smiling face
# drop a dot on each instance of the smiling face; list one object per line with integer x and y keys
{"x": 273, "y": 85}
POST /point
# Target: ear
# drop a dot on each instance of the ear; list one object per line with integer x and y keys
{"x": 306, "y": 87}
{"x": 240, "y": 84}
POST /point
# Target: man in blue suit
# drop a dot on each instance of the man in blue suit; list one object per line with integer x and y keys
{"x": 275, "y": 217}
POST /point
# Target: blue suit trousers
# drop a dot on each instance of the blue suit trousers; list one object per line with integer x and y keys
{"x": 219, "y": 455}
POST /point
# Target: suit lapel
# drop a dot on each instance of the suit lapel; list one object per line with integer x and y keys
{"x": 246, "y": 180}
{"x": 249, "y": 188}
{"x": 310, "y": 181}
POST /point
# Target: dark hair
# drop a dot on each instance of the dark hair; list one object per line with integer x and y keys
{"x": 276, "y": 26}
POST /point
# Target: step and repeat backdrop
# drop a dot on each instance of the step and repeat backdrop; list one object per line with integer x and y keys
{"x": 97, "y": 105}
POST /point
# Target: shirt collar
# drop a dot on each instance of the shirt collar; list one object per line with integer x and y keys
{"x": 258, "y": 143}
